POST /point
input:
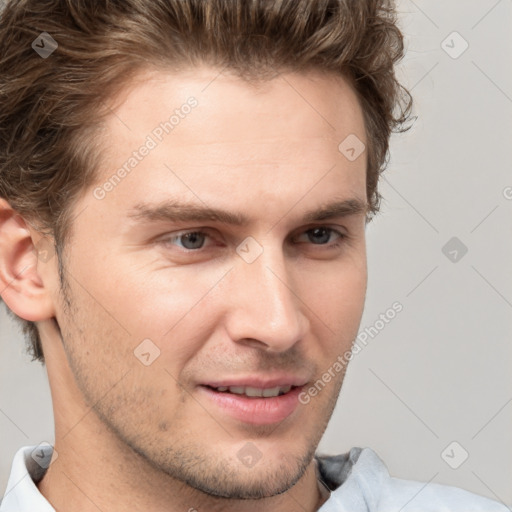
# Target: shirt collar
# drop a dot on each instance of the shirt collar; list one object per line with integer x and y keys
{"x": 28, "y": 468}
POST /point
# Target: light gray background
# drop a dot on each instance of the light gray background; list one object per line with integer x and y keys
{"x": 439, "y": 372}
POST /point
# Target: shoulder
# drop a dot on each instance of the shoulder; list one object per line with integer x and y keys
{"x": 413, "y": 496}
{"x": 361, "y": 478}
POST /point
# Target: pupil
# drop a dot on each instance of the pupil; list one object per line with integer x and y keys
{"x": 324, "y": 231}
{"x": 195, "y": 239}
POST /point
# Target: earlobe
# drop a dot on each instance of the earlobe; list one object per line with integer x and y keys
{"x": 25, "y": 259}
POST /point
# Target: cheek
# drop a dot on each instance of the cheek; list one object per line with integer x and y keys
{"x": 151, "y": 299}
{"x": 336, "y": 294}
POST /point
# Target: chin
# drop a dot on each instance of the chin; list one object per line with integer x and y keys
{"x": 227, "y": 479}
{"x": 263, "y": 483}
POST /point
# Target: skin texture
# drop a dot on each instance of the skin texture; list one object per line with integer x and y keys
{"x": 131, "y": 436}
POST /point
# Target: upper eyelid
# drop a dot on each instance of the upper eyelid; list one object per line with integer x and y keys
{"x": 207, "y": 230}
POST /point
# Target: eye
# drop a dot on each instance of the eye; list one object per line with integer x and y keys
{"x": 321, "y": 235}
{"x": 189, "y": 240}
{"x": 196, "y": 241}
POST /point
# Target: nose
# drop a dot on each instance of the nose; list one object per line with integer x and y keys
{"x": 264, "y": 308}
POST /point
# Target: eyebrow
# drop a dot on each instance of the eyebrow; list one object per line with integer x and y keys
{"x": 176, "y": 211}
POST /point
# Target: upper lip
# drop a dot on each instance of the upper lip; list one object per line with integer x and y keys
{"x": 259, "y": 382}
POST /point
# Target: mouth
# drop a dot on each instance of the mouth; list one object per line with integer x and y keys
{"x": 253, "y": 392}
{"x": 253, "y": 404}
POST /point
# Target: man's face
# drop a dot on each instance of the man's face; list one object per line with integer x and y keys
{"x": 158, "y": 318}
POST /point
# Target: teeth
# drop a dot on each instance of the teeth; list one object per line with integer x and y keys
{"x": 285, "y": 389}
{"x": 238, "y": 390}
{"x": 255, "y": 392}
{"x": 271, "y": 392}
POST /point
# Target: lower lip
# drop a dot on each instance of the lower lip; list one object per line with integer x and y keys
{"x": 256, "y": 411}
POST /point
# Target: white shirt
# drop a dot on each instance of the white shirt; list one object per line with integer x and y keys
{"x": 358, "y": 481}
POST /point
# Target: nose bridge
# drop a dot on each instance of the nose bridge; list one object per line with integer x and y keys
{"x": 265, "y": 306}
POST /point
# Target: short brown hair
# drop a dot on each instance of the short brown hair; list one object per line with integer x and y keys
{"x": 51, "y": 108}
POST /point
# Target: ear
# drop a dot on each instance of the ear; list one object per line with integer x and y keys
{"x": 25, "y": 256}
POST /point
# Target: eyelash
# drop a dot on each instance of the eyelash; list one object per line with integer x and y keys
{"x": 169, "y": 240}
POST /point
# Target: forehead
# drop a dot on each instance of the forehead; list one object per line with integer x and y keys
{"x": 214, "y": 138}
{"x": 310, "y": 104}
